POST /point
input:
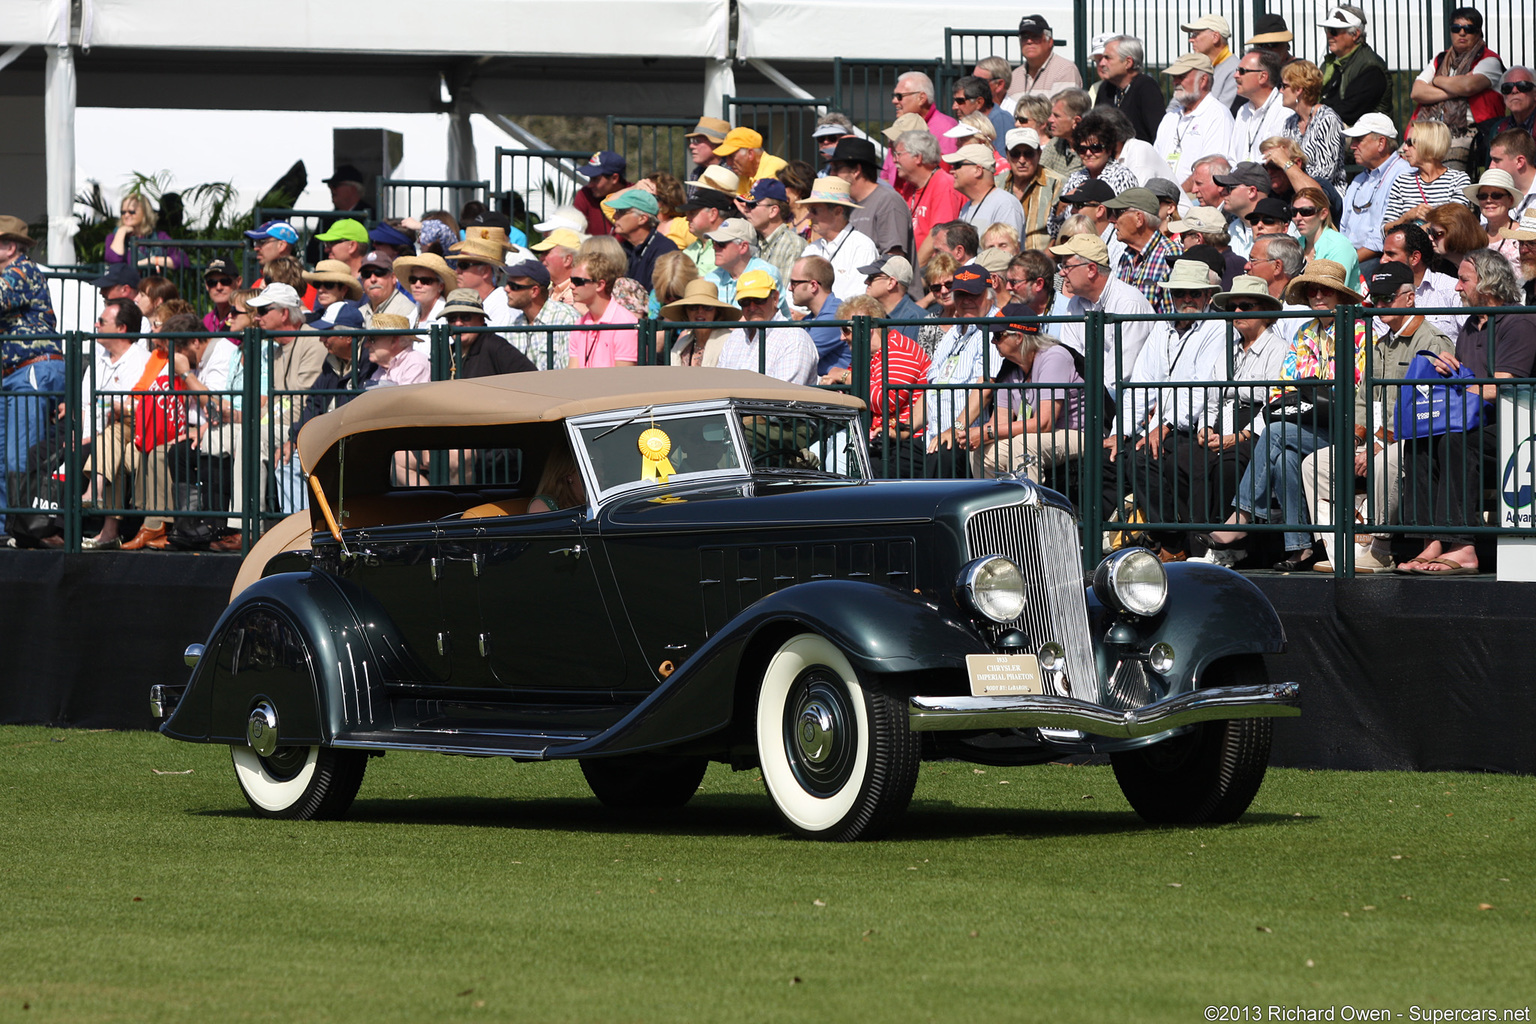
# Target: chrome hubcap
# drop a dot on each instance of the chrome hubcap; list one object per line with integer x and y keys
{"x": 817, "y": 732}
{"x": 261, "y": 729}
{"x": 820, "y": 732}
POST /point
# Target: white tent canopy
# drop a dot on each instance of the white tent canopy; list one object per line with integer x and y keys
{"x": 884, "y": 29}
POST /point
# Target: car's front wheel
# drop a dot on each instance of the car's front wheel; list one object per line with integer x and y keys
{"x": 1209, "y": 774}
{"x": 299, "y": 783}
{"x": 644, "y": 781}
{"x": 838, "y": 758}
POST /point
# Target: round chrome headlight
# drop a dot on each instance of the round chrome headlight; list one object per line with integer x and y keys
{"x": 1132, "y": 580}
{"x": 993, "y": 587}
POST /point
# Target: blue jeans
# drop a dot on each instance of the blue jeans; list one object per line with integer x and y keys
{"x": 23, "y": 413}
{"x": 292, "y": 485}
{"x": 1273, "y": 477}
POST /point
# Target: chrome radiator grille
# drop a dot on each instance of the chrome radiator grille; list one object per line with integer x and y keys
{"x": 1044, "y": 543}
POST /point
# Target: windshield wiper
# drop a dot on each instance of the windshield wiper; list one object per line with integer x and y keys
{"x": 643, "y": 412}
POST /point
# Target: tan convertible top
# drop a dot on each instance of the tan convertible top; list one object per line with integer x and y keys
{"x": 542, "y": 397}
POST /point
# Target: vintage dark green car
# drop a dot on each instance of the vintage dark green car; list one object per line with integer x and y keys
{"x": 712, "y": 577}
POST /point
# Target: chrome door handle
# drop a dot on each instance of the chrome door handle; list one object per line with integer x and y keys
{"x": 572, "y": 552}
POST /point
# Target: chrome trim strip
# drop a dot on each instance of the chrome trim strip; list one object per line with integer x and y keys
{"x": 537, "y": 753}
{"x": 943, "y": 714}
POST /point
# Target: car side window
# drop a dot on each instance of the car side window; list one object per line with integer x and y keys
{"x": 658, "y": 448}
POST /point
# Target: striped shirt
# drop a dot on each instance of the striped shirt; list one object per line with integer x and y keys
{"x": 1412, "y": 190}
{"x": 1149, "y": 268}
{"x": 908, "y": 366}
{"x": 781, "y": 249}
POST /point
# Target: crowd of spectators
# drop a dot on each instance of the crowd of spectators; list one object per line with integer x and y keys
{"x": 1264, "y": 184}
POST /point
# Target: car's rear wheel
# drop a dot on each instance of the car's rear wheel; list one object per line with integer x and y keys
{"x": 299, "y": 783}
{"x": 1209, "y": 774}
{"x": 838, "y": 758}
{"x": 644, "y": 781}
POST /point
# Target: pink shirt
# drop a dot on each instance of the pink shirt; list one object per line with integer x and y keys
{"x": 409, "y": 367}
{"x": 605, "y": 348}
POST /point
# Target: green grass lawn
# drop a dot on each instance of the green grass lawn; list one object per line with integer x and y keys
{"x": 462, "y": 889}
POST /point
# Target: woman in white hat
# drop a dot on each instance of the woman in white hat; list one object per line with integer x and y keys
{"x": 334, "y": 284}
{"x": 700, "y": 305}
{"x": 1495, "y": 195}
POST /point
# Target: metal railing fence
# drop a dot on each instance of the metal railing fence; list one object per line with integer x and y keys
{"x": 405, "y": 197}
{"x": 652, "y": 144}
{"x": 785, "y": 123}
{"x": 220, "y": 457}
{"x": 545, "y": 178}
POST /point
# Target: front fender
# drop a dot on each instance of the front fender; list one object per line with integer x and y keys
{"x": 291, "y": 639}
{"x": 880, "y": 629}
{"x": 1212, "y": 613}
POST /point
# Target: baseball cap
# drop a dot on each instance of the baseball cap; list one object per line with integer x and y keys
{"x": 895, "y": 267}
{"x": 769, "y": 188}
{"x": 1245, "y": 173}
{"x": 533, "y": 270}
{"x": 1016, "y": 311}
{"x": 993, "y": 259}
{"x": 755, "y": 284}
{"x": 277, "y": 295}
{"x": 1021, "y": 137}
{"x": 1091, "y": 191}
{"x": 903, "y": 124}
{"x": 278, "y": 229}
{"x": 1372, "y": 124}
{"x": 1096, "y": 47}
{"x": 733, "y": 230}
{"x": 386, "y": 234}
{"x": 1390, "y": 276}
{"x": 1269, "y": 206}
{"x": 972, "y": 279}
{"x": 117, "y": 273}
{"x": 559, "y": 236}
{"x": 708, "y": 199}
{"x": 1087, "y": 245}
{"x": 378, "y": 259}
{"x": 1215, "y": 22}
{"x": 1165, "y": 190}
{"x": 982, "y": 156}
{"x": 345, "y": 229}
{"x": 1135, "y": 199}
{"x": 221, "y": 268}
{"x": 1187, "y": 63}
{"x": 739, "y": 138}
{"x": 604, "y": 161}
{"x": 635, "y": 199}
{"x": 1033, "y": 23}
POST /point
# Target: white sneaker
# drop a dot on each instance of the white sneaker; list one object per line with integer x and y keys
{"x": 1217, "y": 556}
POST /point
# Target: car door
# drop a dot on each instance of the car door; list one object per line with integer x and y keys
{"x": 399, "y": 566}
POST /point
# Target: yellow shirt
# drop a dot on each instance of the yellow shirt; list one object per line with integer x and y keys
{"x": 768, "y": 167}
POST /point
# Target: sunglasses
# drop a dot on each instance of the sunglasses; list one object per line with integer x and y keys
{"x": 1248, "y": 71}
{"x": 1435, "y": 233}
{"x": 1512, "y": 87}
{"x": 943, "y": 286}
{"x": 1304, "y": 211}
{"x": 1244, "y": 307}
{"x": 430, "y": 279}
{"x": 1493, "y": 197}
{"x": 220, "y": 282}
{"x": 747, "y": 300}
{"x": 514, "y": 287}
{"x": 368, "y": 272}
{"x": 1463, "y": 29}
{"x": 1089, "y": 147}
{"x": 899, "y": 96}
{"x": 459, "y": 318}
{"x": 330, "y": 286}
{"x": 580, "y": 282}
{"x": 1271, "y": 221}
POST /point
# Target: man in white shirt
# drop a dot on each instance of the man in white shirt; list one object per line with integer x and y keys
{"x": 1246, "y": 185}
{"x": 958, "y": 358}
{"x": 1373, "y": 141}
{"x": 787, "y": 353}
{"x": 1264, "y": 115}
{"x": 974, "y": 168}
{"x": 1084, "y": 263}
{"x": 837, "y": 241}
{"x": 1198, "y": 124}
{"x": 107, "y": 425}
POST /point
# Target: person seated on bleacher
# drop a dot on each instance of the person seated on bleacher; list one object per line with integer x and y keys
{"x": 107, "y": 425}
{"x": 1460, "y": 86}
{"x": 1444, "y": 475}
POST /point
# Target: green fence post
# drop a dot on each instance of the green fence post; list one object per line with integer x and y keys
{"x": 646, "y": 332}
{"x": 251, "y": 344}
{"x": 1080, "y": 39}
{"x": 1344, "y": 441}
{"x": 1093, "y": 451}
{"x": 69, "y": 500}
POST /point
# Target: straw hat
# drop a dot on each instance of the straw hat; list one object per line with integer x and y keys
{"x": 335, "y": 272}
{"x": 481, "y": 249}
{"x": 489, "y": 233}
{"x": 700, "y": 293}
{"x": 833, "y": 191}
{"x": 391, "y": 322}
{"x": 429, "y": 261}
{"x": 1323, "y": 272}
{"x": 1523, "y": 230}
{"x": 14, "y": 229}
{"x": 1245, "y": 286}
{"x": 720, "y": 178}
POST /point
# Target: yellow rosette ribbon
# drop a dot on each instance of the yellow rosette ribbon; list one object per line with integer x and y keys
{"x": 655, "y": 445}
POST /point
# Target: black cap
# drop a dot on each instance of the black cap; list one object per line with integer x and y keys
{"x": 1207, "y": 254}
{"x": 703, "y": 198}
{"x": 345, "y": 172}
{"x": 1389, "y": 277}
{"x": 856, "y": 151}
{"x": 221, "y": 267}
{"x": 1033, "y": 23}
{"x": 1094, "y": 190}
{"x": 1019, "y": 310}
{"x": 117, "y": 273}
{"x": 491, "y": 219}
{"x": 1270, "y": 207}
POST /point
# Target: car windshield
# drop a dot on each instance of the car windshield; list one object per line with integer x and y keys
{"x": 651, "y": 446}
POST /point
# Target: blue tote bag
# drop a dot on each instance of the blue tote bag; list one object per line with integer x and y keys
{"x": 1439, "y": 405}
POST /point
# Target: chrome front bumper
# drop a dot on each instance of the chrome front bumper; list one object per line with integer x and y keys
{"x": 947, "y": 714}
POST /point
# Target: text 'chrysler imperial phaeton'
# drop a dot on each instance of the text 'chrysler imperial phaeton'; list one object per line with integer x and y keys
{"x": 651, "y": 568}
